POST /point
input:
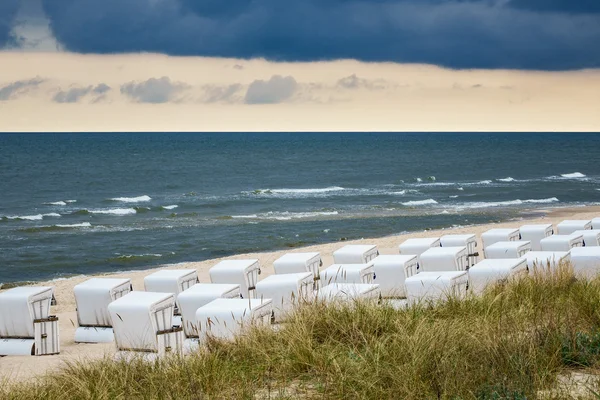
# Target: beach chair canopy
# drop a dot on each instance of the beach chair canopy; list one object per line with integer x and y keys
{"x": 171, "y": 280}
{"x": 241, "y": 272}
{"x": 571, "y": 225}
{"x": 355, "y": 254}
{"x": 535, "y": 233}
{"x": 93, "y": 296}
{"x": 561, "y": 242}
{"x": 542, "y": 260}
{"x": 20, "y": 306}
{"x": 511, "y": 249}
{"x": 444, "y": 259}
{"x": 348, "y": 273}
{"x": 492, "y": 236}
{"x": 392, "y": 270}
{"x": 416, "y": 246}
{"x": 491, "y": 271}
{"x": 292, "y": 263}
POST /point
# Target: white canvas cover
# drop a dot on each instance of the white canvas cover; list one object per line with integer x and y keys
{"x": 293, "y": 263}
{"x": 591, "y": 237}
{"x": 571, "y": 225}
{"x": 171, "y": 281}
{"x": 436, "y": 286}
{"x": 348, "y": 291}
{"x": 490, "y": 272}
{"x": 20, "y": 306}
{"x": 542, "y": 260}
{"x": 561, "y": 242}
{"x": 241, "y": 272}
{"x": 199, "y": 295}
{"x": 416, "y": 246}
{"x": 225, "y": 318}
{"x": 355, "y": 254}
{"x": 286, "y": 292}
{"x": 513, "y": 249}
{"x": 468, "y": 240}
{"x": 391, "y": 271}
{"x": 348, "y": 273}
{"x": 535, "y": 233}
{"x": 596, "y": 223}
{"x": 492, "y": 236}
{"x": 138, "y": 317}
{"x": 444, "y": 259}
{"x": 585, "y": 261}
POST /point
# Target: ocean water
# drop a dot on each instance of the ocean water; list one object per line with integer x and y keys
{"x": 75, "y": 204}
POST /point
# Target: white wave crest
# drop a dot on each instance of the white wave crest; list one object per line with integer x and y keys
{"x": 509, "y": 179}
{"x": 70, "y": 201}
{"x": 81, "y": 225}
{"x": 314, "y": 190}
{"x": 138, "y": 199}
{"x": 286, "y": 215}
{"x": 56, "y": 203}
{"x": 37, "y": 217}
{"x": 573, "y": 175}
{"x": 400, "y": 193}
{"x": 420, "y": 202}
{"x": 549, "y": 200}
{"x": 174, "y": 206}
{"x": 114, "y": 211}
{"x": 486, "y": 182}
{"x": 508, "y": 203}
{"x": 419, "y": 180}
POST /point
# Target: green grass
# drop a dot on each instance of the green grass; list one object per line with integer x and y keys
{"x": 511, "y": 343}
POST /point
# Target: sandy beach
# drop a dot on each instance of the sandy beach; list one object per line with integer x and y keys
{"x": 21, "y": 368}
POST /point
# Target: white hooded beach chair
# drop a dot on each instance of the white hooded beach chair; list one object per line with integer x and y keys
{"x": 286, "y": 291}
{"x": 591, "y": 237}
{"x": 491, "y": 272}
{"x": 199, "y": 295}
{"x": 391, "y": 271}
{"x": 571, "y": 225}
{"x": 535, "y": 233}
{"x": 539, "y": 261}
{"x": 241, "y": 272}
{"x": 92, "y": 298}
{"x": 492, "y": 236}
{"x": 343, "y": 292}
{"x": 348, "y": 273}
{"x": 26, "y": 326}
{"x": 436, "y": 286}
{"x": 294, "y": 263}
{"x": 468, "y": 240}
{"x": 585, "y": 261}
{"x": 596, "y": 223}
{"x": 417, "y": 246}
{"x": 171, "y": 281}
{"x": 444, "y": 259}
{"x": 514, "y": 249}
{"x": 226, "y": 318}
{"x": 142, "y": 323}
{"x": 355, "y": 254}
{"x": 561, "y": 242}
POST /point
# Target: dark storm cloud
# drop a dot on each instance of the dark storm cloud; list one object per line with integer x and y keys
{"x": 532, "y": 34}
{"x": 14, "y": 89}
{"x": 154, "y": 90}
{"x": 73, "y": 95}
{"x": 275, "y": 90}
{"x": 8, "y": 11}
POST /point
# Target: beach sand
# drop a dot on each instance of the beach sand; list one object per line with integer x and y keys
{"x": 14, "y": 369}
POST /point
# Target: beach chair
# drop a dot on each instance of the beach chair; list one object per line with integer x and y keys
{"x": 391, "y": 272}
{"x": 92, "y": 298}
{"x": 241, "y": 272}
{"x": 596, "y": 223}
{"x": 26, "y": 326}
{"x": 286, "y": 291}
{"x": 293, "y": 263}
{"x": 544, "y": 261}
{"x": 348, "y": 273}
{"x": 355, "y": 254}
{"x": 585, "y": 261}
{"x": 492, "y": 272}
{"x": 142, "y": 323}
{"x": 492, "y": 236}
{"x": 436, "y": 286}
{"x": 591, "y": 237}
{"x": 561, "y": 242}
{"x": 416, "y": 246}
{"x": 199, "y": 295}
{"x": 444, "y": 259}
{"x": 571, "y": 225}
{"x": 468, "y": 240}
{"x": 226, "y": 318}
{"x": 344, "y": 292}
{"x": 513, "y": 249}
{"x": 171, "y": 281}
{"x": 535, "y": 233}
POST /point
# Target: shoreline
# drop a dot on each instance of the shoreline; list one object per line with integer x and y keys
{"x": 14, "y": 369}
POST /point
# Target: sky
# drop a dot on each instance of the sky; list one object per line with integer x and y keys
{"x": 217, "y": 65}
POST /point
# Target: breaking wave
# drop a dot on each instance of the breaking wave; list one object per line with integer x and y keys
{"x": 37, "y": 217}
{"x": 419, "y": 202}
{"x": 284, "y": 215}
{"x": 138, "y": 199}
{"x": 57, "y": 227}
{"x": 172, "y": 207}
{"x": 113, "y": 211}
{"x": 509, "y": 179}
{"x": 508, "y": 203}
{"x": 573, "y": 175}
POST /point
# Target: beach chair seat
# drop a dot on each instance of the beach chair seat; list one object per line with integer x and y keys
{"x": 591, "y": 237}
{"x": 491, "y": 272}
{"x": 561, "y": 242}
{"x": 344, "y": 292}
{"x": 492, "y": 236}
{"x": 348, "y": 273}
{"x": 540, "y": 261}
{"x": 241, "y": 272}
{"x": 436, "y": 286}
{"x": 355, "y": 254}
{"x": 417, "y": 246}
{"x": 294, "y": 263}
{"x": 26, "y": 326}
{"x": 571, "y": 225}
{"x": 444, "y": 259}
{"x": 92, "y": 298}
{"x": 286, "y": 291}
{"x": 391, "y": 272}
{"x": 535, "y": 233}
{"x": 467, "y": 240}
{"x": 585, "y": 261}
{"x": 512, "y": 249}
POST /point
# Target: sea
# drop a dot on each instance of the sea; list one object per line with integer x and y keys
{"x": 79, "y": 204}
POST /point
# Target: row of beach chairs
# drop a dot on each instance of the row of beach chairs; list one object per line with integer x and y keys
{"x": 176, "y": 313}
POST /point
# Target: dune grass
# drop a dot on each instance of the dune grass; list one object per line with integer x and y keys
{"x": 514, "y": 342}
